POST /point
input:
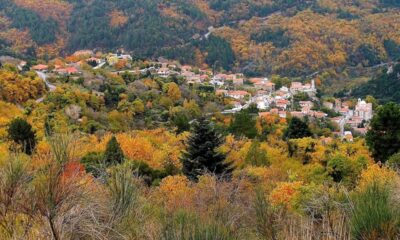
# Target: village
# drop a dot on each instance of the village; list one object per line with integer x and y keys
{"x": 297, "y": 99}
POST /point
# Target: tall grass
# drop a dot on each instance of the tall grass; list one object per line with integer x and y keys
{"x": 374, "y": 216}
{"x": 186, "y": 226}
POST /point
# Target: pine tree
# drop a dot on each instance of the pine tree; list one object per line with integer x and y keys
{"x": 20, "y": 131}
{"x": 202, "y": 156}
{"x": 113, "y": 154}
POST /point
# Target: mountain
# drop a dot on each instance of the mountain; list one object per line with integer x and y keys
{"x": 286, "y": 37}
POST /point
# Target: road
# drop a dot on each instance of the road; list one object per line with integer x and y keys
{"x": 51, "y": 87}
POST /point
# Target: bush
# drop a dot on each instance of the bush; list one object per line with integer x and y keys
{"x": 394, "y": 161}
{"x": 93, "y": 163}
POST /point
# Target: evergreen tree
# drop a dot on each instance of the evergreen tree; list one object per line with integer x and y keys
{"x": 113, "y": 154}
{"x": 202, "y": 156}
{"x": 297, "y": 129}
{"x": 20, "y": 131}
{"x": 383, "y": 138}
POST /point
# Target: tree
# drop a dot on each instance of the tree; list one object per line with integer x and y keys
{"x": 174, "y": 93}
{"x": 297, "y": 129}
{"x": 257, "y": 156}
{"x": 202, "y": 156}
{"x": 383, "y": 138}
{"x": 113, "y": 154}
{"x": 243, "y": 125}
{"x": 20, "y": 131}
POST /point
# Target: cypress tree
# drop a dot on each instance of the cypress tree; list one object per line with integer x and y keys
{"x": 20, "y": 131}
{"x": 202, "y": 156}
{"x": 113, "y": 154}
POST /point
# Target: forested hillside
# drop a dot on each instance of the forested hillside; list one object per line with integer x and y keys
{"x": 285, "y": 37}
{"x": 385, "y": 87}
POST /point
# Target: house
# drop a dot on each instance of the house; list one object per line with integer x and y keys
{"x": 282, "y": 103}
{"x": 297, "y": 87}
{"x": 318, "y": 114}
{"x": 261, "y": 101}
{"x": 67, "y": 71}
{"x": 266, "y": 86}
{"x": 304, "y": 104}
{"x": 163, "y": 72}
{"x": 40, "y": 67}
{"x": 238, "y": 94}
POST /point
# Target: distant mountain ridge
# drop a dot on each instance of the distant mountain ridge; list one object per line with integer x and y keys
{"x": 287, "y": 37}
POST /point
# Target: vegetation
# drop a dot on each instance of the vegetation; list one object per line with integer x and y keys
{"x": 383, "y": 137}
{"x": 385, "y": 87}
{"x": 109, "y": 147}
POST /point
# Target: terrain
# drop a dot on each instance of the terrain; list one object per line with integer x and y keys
{"x": 291, "y": 38}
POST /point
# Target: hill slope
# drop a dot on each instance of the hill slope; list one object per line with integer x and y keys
{"x": 285, "y": 37}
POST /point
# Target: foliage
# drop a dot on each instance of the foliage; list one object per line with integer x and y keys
{"x": 18, "y": 88}
{"x": 383, "y": 137}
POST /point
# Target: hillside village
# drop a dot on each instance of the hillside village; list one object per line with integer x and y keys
{"x": 243, "y": 92}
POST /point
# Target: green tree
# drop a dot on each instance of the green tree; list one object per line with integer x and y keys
{"x": 113, "y": 154}
{"x": 243, "y": 124}
{"x": 383, "y": 138}
{"x": 202, "y": 155}
{"x": 20, "y": 131}
{"x": 257, "y": 156}
{"x": 297, "y": 129}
